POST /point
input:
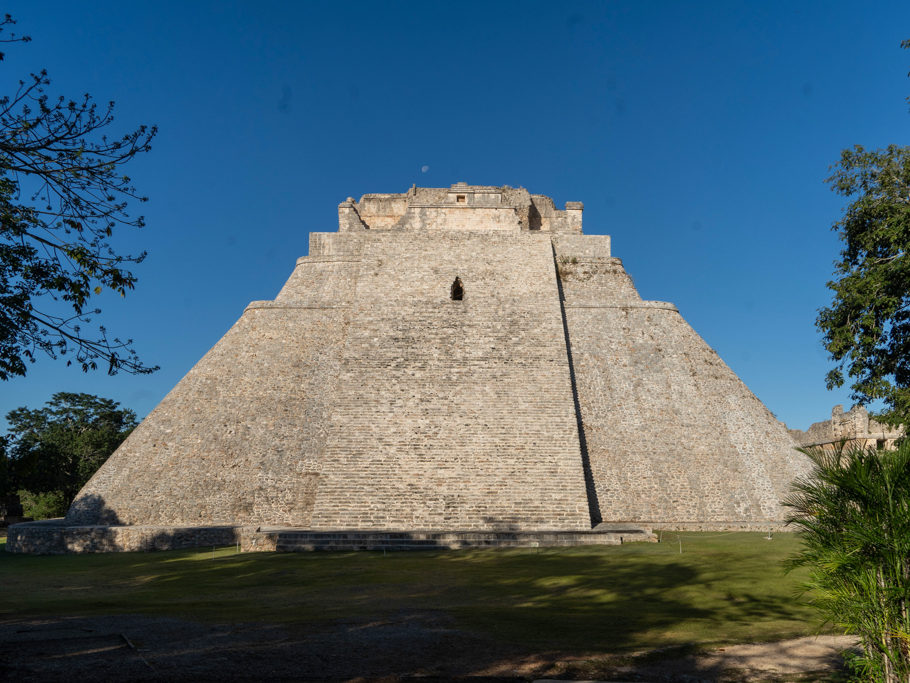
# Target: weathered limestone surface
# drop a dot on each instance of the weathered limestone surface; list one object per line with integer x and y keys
{"x": 236, "y": 440}
{"x": 367, "y": 396}
{"x": 672, "y": 434}
{"x": 673, "y": 437}
{"x": 454, "y": 414}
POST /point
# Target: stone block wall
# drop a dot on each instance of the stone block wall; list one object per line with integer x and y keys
{"x": 460, "y": 218}
{"x": 52, "y": 537}
{"x": 454, "y": 414}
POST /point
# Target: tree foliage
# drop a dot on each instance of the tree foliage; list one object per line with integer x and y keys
{"x": 45, "y": 505}
{"x": 866, "y": 329}
{"x": 7, "y": 485}
{"x": 854, "y": 515}
{"x": 60, "y": 446}
{"x": 62, "y": 196}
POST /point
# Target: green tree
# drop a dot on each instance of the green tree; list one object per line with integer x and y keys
{"x": 42, "y": 505}
{"x": 59, "y": 447}
{"x": 7, "y": 485}
{"x": 854, "y": 515}
{"x": 867, "y": 327}
{"x": 62, "y": 195}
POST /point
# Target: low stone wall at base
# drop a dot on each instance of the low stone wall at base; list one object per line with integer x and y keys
{"x": 721, "y": 526}
{"x": 304, "y": 540}
{"x": 53, "y": 537}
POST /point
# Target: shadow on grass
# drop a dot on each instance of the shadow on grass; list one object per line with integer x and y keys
{"x": 622, "y": 601}
{"x": 523, "y": 608}
{"x": 576, "y": 601}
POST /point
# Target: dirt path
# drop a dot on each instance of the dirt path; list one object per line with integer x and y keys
{"x": 414, "y": 644}
{"x": 800, "y": 659}
{"x": 800, "y": 655}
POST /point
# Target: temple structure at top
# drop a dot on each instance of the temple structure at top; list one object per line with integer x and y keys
{"x": 462, "y": 206}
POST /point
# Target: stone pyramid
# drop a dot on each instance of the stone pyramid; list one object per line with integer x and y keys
{"x": 460, "y": 358}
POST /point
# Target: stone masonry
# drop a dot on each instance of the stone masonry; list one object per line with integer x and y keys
{"x": 455, "y": 359}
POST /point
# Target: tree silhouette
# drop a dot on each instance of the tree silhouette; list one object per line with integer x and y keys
{"x": 62, "y": 196}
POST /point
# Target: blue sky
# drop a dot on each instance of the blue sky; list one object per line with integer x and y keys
{"x": 697, "y": 134}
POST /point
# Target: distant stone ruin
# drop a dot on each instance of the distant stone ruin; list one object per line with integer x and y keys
{"x": 454, "y": 365}
{"x": 855, "y": 428}
{"x": 10, "y": 510}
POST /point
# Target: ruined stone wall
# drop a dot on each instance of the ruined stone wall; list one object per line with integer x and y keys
{"x": 460, "y": 207}
{"x": 672, "y": 435}
{"x": 853, "y": 427}
{"x": 454, "y": 414}
{"x": 382, "y": 211}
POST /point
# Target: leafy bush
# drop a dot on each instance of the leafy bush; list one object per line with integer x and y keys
{"x": 43, "y": 505}
{"x": 854, "y": 516}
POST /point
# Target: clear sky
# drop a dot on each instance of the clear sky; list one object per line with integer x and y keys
{"x": 697, "y": 134}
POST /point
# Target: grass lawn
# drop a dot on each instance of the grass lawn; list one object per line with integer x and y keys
{"x": 722, "y": 588}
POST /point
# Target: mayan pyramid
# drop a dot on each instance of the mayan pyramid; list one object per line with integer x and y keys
{"x": 453, "y": 359}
